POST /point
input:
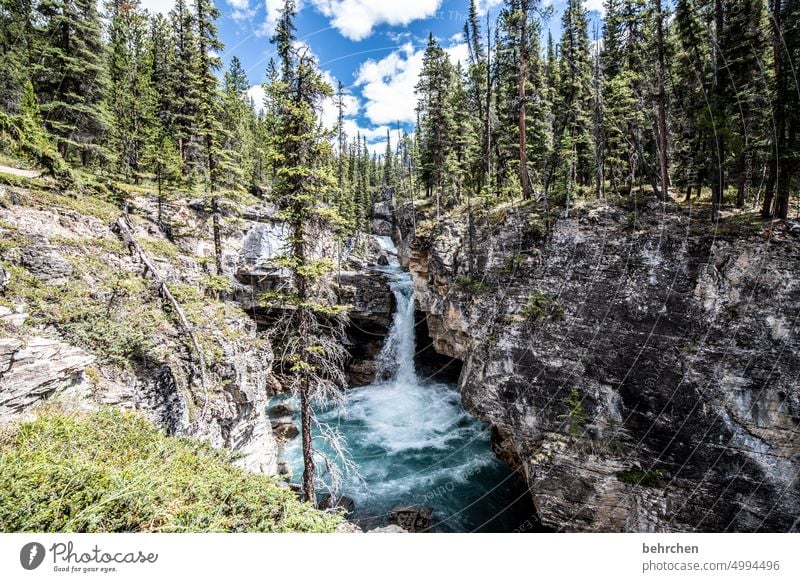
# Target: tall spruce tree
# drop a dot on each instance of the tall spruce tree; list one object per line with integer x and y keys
{"x": 132, "y": 98}
{"x": 70, "y": 76}
{"x": 311, "y": 326}
{"x": 574, "y": 128}
{"x": 209, "y": 126}
{"x": 436, "y": 124}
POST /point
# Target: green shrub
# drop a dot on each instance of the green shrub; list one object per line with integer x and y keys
{"x": 472, "y": 286}
{"x": 539, "y": 306}
{"x": 576, "y": 415}
{"x": 641, "y": 477}
{"x": 111, "y": 471}
{"x": 215, "y": 285}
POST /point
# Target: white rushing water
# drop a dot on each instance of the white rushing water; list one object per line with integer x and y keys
{"x": 410, "y": 439}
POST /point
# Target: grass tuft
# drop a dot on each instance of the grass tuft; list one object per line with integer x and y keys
{"x": 111, "y": 471}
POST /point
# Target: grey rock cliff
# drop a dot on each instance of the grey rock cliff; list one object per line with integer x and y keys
{"x": 642, "y": 373}
{"x": 38, "y": 366}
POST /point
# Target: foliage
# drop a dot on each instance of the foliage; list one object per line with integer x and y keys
{"x": 576, "y": 415}
{"x": 541, "y": 305}
{"x": 641, "y": 477}
{"x": 472, "y": 286}
{"x": 111, "y": 471}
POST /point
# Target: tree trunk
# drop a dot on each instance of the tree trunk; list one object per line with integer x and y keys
{"x": 718, "y": 142}
{"x": 769, "y": 189}
{"x": 742, "y": 181}
{"x": 308, "y": 451}
{"x": 523, "y": 128}
{"x": 217, "y": 235}
{"x": 662, "y": 116}
{"x": 776, "y": 170}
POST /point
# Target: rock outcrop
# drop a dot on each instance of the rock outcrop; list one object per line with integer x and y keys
{"x": 640, "y": 368}
{"x": 84, "y": 285}
{"x": 35, "y": 369}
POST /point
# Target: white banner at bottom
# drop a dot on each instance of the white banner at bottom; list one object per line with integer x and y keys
{"x": 388, "y": 557}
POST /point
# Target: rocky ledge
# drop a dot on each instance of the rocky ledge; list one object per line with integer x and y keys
{"x": 638, "y": 366}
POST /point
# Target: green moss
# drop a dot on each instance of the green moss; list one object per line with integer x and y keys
{"x": 158, "y": 247}
{"x": 641, "y": 477}
{"x": 472, "y": 286}
{"x": 110, "y": 471}
{"x": 541, "y": 305}
{"x": 511, "y": 264}
{"x": 101, "y": 206}
{"x": 18, "y": 181}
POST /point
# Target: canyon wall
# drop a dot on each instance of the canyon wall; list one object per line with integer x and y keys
{"x": 639, "y": 367}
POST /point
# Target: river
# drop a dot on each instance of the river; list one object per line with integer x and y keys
{"x": 412, "y": 444}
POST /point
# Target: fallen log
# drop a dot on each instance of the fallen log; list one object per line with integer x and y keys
{"x": 123, "y": 229}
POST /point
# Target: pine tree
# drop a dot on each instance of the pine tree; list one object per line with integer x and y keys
{"x": 15, "y": 23}
{"x": 208, "y": 115}
{"x": 436, "y": 121}
{"x": 315, "y": 354}
{"x": 236, "y": 161}
{"x": 691, "y": 86}
{"x": 184, "y": 85}
{"x": 574, "y": 129}
{"x": 70, "y": 76}
{"x": 132, "y": 99}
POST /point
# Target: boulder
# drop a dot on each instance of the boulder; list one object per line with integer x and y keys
{"x": 412, "y": 519}
{"x": 328, "y": 501}
{"x": 285, "y": 431}
{"x": 32, "y": 371}
{"x": 45, "y": 262}
{"x": 381, "y": 227}
{"x": 348, "y": 527}
{"x": 281, "y": 411}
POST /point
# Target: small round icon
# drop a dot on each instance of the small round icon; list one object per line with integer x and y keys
{"x": 31, "y": 555}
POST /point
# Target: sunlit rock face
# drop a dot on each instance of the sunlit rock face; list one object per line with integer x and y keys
{"x": 642, "y": 370}
{"x": 39, "y": 367}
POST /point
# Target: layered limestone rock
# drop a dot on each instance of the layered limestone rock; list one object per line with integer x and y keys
{"x": 62, "y": 248}
{"x": 640, "y": 368}
{"x": 36, "y": 369}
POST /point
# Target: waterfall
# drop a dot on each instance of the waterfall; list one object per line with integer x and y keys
{"x": 396, "y": 360}
{"x": 410, "y": 439}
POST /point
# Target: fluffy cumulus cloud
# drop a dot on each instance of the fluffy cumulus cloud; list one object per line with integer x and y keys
{"x": 356, "y": 19}
{"x": 484, "y": 5}
{"x": 241, "y": 9}
{"x": 388, "y": 84}
{"x": 256, "y": 93}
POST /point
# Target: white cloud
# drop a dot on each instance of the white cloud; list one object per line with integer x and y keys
{"x": 388, "y": 84}
{"x": 158, "y": 6}
{"x": 256, "y": 93}
{"x": 486, "y": 5}
{"x": 459, "y": 53}
{"x": 241, "y": 9}
{"x": 330, "y": 111}
{"x": 355, "y": 19}
{"x": 596, "y": 5}
{"x": 273, "y": 13}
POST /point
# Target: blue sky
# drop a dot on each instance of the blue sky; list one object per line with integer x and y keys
{"x": 373, "y": 46}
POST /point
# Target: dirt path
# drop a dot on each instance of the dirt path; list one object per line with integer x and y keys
{"x": 18, "y": 172}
